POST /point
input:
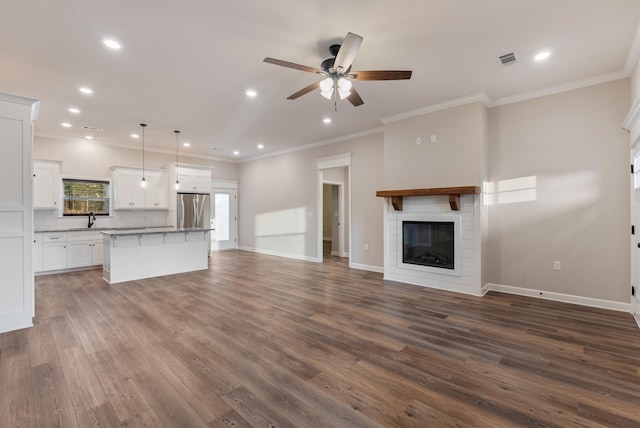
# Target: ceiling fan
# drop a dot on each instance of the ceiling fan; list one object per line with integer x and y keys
{"x": 337, "y": 83}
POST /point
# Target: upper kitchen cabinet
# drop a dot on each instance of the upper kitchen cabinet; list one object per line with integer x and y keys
{"x": 129, "y": 194}
{"x": 46, "y": 184}
{"x": 192, "y": 180}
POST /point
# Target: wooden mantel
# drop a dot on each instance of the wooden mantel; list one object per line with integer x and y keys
{"x": 453, "y": 192}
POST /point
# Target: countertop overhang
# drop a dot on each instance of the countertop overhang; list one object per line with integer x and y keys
{"x": 154, "y": 231}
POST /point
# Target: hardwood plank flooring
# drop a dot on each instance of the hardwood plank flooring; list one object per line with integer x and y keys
{"x": 261, "y": 341}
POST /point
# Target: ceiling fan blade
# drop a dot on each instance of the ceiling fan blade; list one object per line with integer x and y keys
{"x": 355, "y": 98}
{"x": 347, "y": 52}
{"x": 304, "y": 91}
{"x": 381, "y": 75}
{"x": 292, "y": 65}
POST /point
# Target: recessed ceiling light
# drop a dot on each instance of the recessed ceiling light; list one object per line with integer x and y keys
{"x": 66, "y": 124}
{"x": 261, "y": 146}
{"x": 236, "y": 152}
{"x": 135, "y": 136}
{"x": 86, "y": 90}
{"x": 327, "y": 120}
{"x": 74, "y": 110}
{"x": 542, "y": 56}
{"x": 89, "y": 137}
{"x": 110, "y": 43}
{"x": 186, "y": 144}
{"x": 251, "y": 93}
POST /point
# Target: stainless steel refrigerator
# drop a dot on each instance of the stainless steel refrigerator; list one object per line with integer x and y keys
{"x": 194, "y": 210}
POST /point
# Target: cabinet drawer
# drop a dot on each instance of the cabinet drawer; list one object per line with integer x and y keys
{"x": 54, "y": 237}
{"x": 83, "y": 236}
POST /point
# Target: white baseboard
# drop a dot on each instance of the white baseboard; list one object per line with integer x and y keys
{"x": 279, "y": 254}
{"x": 637, "y": 318}
{"x": 558, "y": 297}
{"x": 377, "y": 269}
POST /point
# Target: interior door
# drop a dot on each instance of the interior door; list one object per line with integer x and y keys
{"x": 223, "y": 219}
{"x": 635, "y": 238}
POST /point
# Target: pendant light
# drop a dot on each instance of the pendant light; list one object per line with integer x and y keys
{"x": 143, "y": 182}
{"x": 177, "y": 145}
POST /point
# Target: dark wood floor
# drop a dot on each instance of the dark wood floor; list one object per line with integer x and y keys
{"x": 262, "y": 341}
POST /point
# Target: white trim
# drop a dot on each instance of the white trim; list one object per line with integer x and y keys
{"x": 558, "y": 297}
{"x": 341, "y": 239}
{"x": 335, "y": 161}
{"x": 377, "y": 269}
{"x": 279, "y": 254}
{"x": 347, "y": 137}
{"x": 481, "y": 97}
{"x": 634, "y": 52}
{"x": 632, "y": 117}
{"x": 15, "y": 321}
{"x": 218, "y": 183}
{"x": 556, "y": 89}
{"x": 637, "y": 319}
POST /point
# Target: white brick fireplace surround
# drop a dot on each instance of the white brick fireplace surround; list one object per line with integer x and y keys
{"x": 465, "y": 211}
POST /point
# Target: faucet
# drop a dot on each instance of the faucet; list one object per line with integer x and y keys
{"x": 91, "y": 220}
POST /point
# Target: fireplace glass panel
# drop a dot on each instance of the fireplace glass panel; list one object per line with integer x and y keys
{"x": 428, "y": 243}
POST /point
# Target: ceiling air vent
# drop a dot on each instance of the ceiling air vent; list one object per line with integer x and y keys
{"x": 92, "y": 128}
{"x": 508, "y": 59}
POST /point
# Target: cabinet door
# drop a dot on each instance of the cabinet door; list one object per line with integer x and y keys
{"x": 156, "y": 191}
{"x": 54, "y": 256}
{"x": 137, "y": 191}
{"x": 162, "y": 192}
{"x": 121, "y": 190}
{"x": 37, "y": 253}
{"x": 186, "y": 182}
{"x": 202, "y": 181}
{"x": 97, "y": 252}
{"x": 78, "y": 254}
{"x": 45, "y": 185}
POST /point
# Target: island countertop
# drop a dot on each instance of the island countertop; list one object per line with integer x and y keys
{"x": 155, "y": 230}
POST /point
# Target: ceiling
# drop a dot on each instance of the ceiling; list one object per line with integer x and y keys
{"x": 186, "y": 64}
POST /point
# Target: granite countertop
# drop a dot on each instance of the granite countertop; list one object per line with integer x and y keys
{"x": 100, "y": 229}
{"x": 151, "y": 231}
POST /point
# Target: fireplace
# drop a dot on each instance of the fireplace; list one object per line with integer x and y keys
{"x": 429, "y": 243}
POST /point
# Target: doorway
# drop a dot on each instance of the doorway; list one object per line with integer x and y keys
{"x": 335, "y": 170}
{"x": 333, "y": 219}
{"x": 224, "y": 221}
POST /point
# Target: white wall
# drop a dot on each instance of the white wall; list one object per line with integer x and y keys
{"x": 279, "y": 193}
{"x": 635, "y": 82}
{"x": 559, "y": 170}
{"x": 89, "y": 159}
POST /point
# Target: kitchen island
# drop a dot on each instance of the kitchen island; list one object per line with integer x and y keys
{"x": 147, "y": 253}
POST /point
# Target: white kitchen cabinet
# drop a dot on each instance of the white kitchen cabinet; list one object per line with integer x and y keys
{"x": 157, "y": 191}
{"x": 84, "y": 249}
{"x": 46, "y": 184}
{"x": 37, "y": 252}
{"x": 129, "y": 194}
{"x": 127, "y": 191}
{"x": 54, "y": 251}
{"x": 17, "y": 303}
{"x": 194, "y": 180}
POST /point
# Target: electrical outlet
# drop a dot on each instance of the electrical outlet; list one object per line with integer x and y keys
{"x": 434, "y": 138}
{"x": 366, "y": 247}
{"x": 418, "y": 141}
{"x": 557, "y": 265}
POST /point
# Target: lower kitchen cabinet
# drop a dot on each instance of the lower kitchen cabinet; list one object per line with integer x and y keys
{"x": 67, "y": 250}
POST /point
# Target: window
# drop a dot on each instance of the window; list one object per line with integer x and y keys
{"x": 82, "y": 197}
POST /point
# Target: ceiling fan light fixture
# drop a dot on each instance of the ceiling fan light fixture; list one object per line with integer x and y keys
{"x": 326, "y": 85}
{"x": 344, "y": 84}
{"x": 343, "y": 94}
{"x": 327, "y": 94}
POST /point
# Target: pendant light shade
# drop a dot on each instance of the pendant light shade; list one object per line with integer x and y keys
{"x": 143, "y": 182}
{"x": 177, "y": 145}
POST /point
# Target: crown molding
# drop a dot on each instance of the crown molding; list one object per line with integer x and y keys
{"x": 632, "y": 117}
{"x": 347, "y": 137}
{"x": 481, "y": 97}
{"x": 556, "y": 89}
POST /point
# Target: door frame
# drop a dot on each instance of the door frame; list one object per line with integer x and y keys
{"x": 632, "y": 125}
{"x": 217, "y": 184}
{"x": 341, "y": 160}
{"x": 341, "y": 235}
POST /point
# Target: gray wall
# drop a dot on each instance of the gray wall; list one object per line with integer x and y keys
{"x": 559, "y": 167}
